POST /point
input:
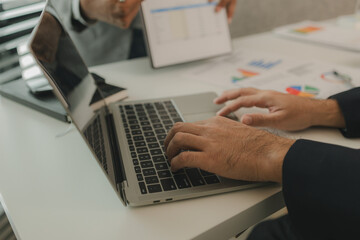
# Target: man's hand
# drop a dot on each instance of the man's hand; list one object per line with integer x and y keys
{"x": 286, "y": 112}
{"x": 227, "y": 148}
{"x": 230, "y": 8}
{"x": 114, "y": 12}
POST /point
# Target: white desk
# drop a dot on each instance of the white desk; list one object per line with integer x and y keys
{"x": 54, "y": 189}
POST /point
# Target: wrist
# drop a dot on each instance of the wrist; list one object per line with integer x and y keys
{"x": 273, "y": 162}
{"x": 328, "y": 113}
{"x": 86, "y": 10}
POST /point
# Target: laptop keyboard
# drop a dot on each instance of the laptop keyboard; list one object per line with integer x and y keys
{"x": 146, "y": 126}
{"x": 94, "y": 135}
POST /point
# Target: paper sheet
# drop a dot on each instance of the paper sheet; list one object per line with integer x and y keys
{"x": 239, "y": 68}
{"x": 322, "y": 33}
{"x": 246, "y": 68}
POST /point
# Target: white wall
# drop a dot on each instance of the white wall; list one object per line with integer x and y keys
{"x": 254, "y": 16}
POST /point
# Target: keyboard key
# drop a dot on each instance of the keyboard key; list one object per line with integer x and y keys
{"x": 149, "y": 172}
{"x": 140, "y": 144}
{"x": 149, "y": 105}
{"x": 168, "y": 127}
{"x": 154, "y": 188}
{"x": 168, "y": 122}
{"x": 161, "y": 166}
{"x": 133, "y": 122}
{"x": 135, "y": 162}
{"x": 205, "y": 173}
{"x": 131, "y": 117}
{"x": 211, "y": 179}
{"x": 145, "y": 123}
{"x": 139, "y": 177}
{"x": 137, "y": 169}
{"x": 151, "y": 180}
{"x": 142, "y": 188}
{"x": 195, "y": 177}
{"x": 142, "y": 118}
{"x": 142, "y": 150}
{"x": 131, "y": 148}
{"x": 153, "y": 145}
{"x": 133, "y": 154}
{"x": 143, "y": 157}
{"x": 158, "y": 131}
{"x": 128, "y": 136}
{"x": 136, "y": 132}
{"x": 130, "y": 112}
{"x": 149, "y": 134}
{"x": 168, "y": 184}
{"x": 147, "y": 128}
{"x": 177, "y": 120}
{"x": 182, "y": 181}
{"x": 165, "y": 117}
{"x": 158, "y": 125}
{"x": 138, "y": 138}
{"x": 158, "y": 159}
{"x": 159, "y": 105}
{"x": 151, "y": 139}
{"x": 153, "y": 116}
{"x": 147, "y": 164}
{"x": 164, "y": 174}
{"x": 141, "y": 114}
{"x": 134, "y": 127}
{"x": 129, "y": 107}
{"x": 155, "y": 152}
{"x": 155, "y": 120}
{"x": 161, "y": 137}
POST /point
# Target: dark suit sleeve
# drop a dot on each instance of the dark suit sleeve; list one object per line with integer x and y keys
{"x": 321, "y": 187}
{"x": 349, "y": 103}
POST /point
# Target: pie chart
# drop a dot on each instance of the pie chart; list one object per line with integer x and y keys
{"x": 303, "y": 91}
{"x": 244, "y": 75}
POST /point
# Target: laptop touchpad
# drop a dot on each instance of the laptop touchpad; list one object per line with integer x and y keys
{"x": 197, "y": 117}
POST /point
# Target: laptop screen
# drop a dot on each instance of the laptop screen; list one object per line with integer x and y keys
{"x": 58, "y": 57}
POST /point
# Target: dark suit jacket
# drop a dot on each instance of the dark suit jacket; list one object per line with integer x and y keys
{"x": 321, "y": 182}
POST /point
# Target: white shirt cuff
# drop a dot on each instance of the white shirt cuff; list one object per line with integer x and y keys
{"x": 77, "y": 13}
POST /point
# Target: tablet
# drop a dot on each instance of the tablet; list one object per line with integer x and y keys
{"x": 179, "y": 31}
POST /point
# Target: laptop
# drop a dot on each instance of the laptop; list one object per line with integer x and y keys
{"x": 126, "y": 138}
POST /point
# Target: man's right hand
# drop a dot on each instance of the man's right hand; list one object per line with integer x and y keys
{"x": 227, "y": 148}
{"x": 114, "y": 12}
{"x": 286, "y": 112}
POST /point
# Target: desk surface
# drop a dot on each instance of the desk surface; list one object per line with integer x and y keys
{"x": 54, "y": 189}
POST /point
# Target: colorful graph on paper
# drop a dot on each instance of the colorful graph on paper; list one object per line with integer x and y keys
{"x": 264, "y": 64}
{"x": 303, "y": 91}
{"x": 245, "y": 74}
{"x": 307, "y": 30}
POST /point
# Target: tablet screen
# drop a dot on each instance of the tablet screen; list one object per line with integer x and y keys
{"x": 179, "y": 31}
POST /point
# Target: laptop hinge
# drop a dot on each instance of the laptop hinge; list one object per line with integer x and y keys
{"x": 121, "y": 187}
{"x": 120, "y": 176}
